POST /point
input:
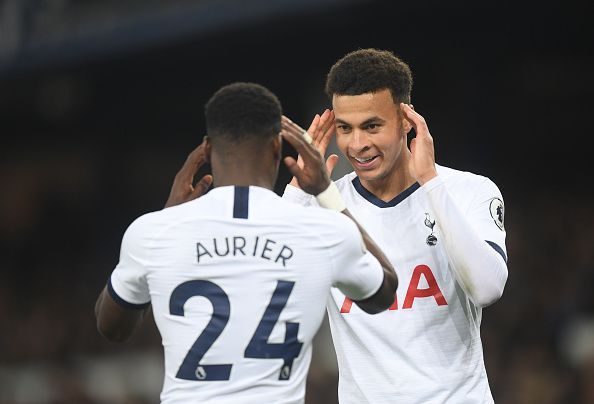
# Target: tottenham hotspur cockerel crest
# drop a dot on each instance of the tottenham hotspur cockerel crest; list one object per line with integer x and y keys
{"x": 431, "y": 239}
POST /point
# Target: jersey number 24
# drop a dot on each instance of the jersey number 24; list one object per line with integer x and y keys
{"x": 258, "y": 347}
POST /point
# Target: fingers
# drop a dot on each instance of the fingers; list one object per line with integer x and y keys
{"x": 293, "y": 167}
{"x": 195, "y": 160}
{"x": 320, "y": 130}
{"x": 198, "y": 155}
{"x": 314, "y": 125}
{"x": 331, "y": 163}
{"x": 413, "y": 117}
{"x": 327, "y": 131}
{"x": 290, "y": 126}
{"x": 326, "y": 121}
{"x": 305, "y": 150}
{"x": 202, "y": 186}
{"x": 318, "y": 127}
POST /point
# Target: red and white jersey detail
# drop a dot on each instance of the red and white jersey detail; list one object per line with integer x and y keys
{"x": 427, "y": 347}
{"x": 238, "y": 281}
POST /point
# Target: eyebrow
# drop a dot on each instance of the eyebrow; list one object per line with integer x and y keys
{"x": 366, "y": 122}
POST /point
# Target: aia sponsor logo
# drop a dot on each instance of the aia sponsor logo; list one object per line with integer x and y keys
{"x": 413, "y": 292}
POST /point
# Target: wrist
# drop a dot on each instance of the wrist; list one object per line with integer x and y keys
{"x": 330, "y": 198}
{"x": 425, "y": 178}
{"x": 323, "y": 187}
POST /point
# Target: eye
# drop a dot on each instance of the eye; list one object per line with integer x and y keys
{"x": 372, "y": 126}
{"x": 343, "y": 128}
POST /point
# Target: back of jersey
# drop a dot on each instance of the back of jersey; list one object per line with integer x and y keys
{"x": 238, "y": 280}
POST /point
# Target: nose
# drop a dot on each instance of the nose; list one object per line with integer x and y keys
{"x": 359, "y": 141}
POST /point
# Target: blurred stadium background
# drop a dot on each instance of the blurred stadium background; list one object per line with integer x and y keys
{"x": 100, "y": 101}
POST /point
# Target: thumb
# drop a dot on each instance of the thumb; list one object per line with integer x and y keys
{"x": 331, "y": 162}
{"x": 202, "y": 186}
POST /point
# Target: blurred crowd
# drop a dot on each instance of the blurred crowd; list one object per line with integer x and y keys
{"x": 61, "y": 220}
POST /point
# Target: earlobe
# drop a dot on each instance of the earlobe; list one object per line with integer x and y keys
{"x": 407, "y": 124}
{"x": 407, "y": 127}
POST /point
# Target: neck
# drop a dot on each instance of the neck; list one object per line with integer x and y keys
{"x": 241, "y": 180}
{"x": 396, "y": 181}
{"x": 236, "y": 170}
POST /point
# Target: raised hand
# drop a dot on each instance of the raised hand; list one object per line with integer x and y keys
{"x": 184, "y": 189}
{"x": 311, "y": 175}
{"x": 321, "y": 130}
{"x": 422, "y": 162}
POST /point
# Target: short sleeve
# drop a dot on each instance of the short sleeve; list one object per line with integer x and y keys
{"x": 128, "y": 284}
{"x": 357, "y": 273}
{"x": 298, "y": 196}
{"x": 486, "y": 214}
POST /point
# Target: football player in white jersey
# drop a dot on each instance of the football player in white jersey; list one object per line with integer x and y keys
{"x": 441, "y": 228}
{"x": 238, "y": 278}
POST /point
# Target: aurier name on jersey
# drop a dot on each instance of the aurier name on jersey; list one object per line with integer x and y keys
{"x": 266, "y": 248}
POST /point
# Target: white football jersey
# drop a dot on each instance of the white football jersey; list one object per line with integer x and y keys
{"x": 238, "y": 281}
{"x": 426, "y": 348}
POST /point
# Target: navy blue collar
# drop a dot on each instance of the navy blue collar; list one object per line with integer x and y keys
{"x": 377, "y": 201}
{"x": 241, "y": 202}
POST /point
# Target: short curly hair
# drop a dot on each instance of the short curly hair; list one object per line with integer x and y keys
{"x": 370, "y": 70}
{"x": 239, "y": 111}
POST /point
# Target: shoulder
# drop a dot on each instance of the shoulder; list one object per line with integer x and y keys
{"x": 144, "y": 226}
{"x": 323, "y": 217}
{"x": 324, "y": 224}
{"x": 152, "y": 223}
{"x": 465, "y": 182}
{"x": 345, "y": 181}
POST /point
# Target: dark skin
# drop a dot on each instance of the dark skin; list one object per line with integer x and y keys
{"x": 230, "y": 167}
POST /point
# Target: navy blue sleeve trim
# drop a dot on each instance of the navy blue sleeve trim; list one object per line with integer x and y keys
{"x": 122, "y": 302}
{"x": 241, "y": 202}
{"x": 498, "y": 249}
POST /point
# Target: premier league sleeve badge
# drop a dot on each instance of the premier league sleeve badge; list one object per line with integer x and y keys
{"x": 497, "y": 212}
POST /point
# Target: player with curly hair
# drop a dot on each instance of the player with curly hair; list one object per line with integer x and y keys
{"x": 441, "y": 228}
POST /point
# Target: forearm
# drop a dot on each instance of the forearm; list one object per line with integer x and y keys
{"x": 384, "y": 297}
{"x": 478, "y": 268}
{"x": 298, "y": 196}
{"x": 331, "y": 199}
{"x": 115, "y": 323}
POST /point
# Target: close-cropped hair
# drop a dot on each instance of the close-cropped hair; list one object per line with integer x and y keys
{"x": 243, "y": 111}
{"x": 368, "y": 71}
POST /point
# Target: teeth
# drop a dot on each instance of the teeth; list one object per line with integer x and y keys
{"x": 363, "y": 160}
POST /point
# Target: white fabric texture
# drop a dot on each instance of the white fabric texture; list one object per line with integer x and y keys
{"x": 479, "y": 269}
{"x": 427, "y": 347}
{"x": 243, "y": 250}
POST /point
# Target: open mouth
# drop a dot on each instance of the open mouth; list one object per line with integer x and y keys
{"x": 365, "y": 161}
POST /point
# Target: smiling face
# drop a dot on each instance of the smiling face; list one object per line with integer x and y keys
{"x": 370, "y": 132}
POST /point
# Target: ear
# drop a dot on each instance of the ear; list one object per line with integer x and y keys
{"x": 406, "y": 125}
{"x": 207, "y": 148}
{"x": 277, "y": 145}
